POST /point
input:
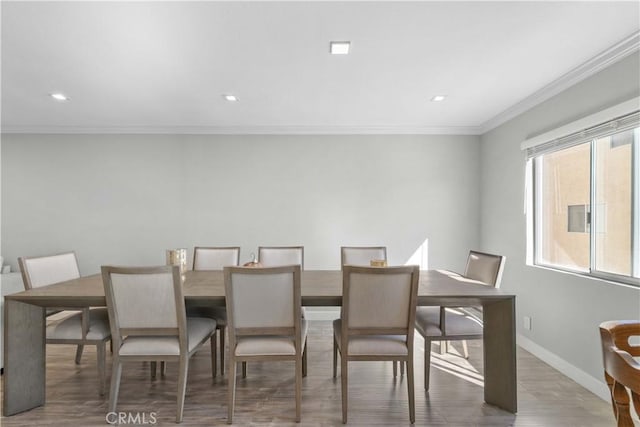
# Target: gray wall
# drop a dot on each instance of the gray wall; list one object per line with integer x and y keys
{"x": 124, "y": 199}
{"x": 565, "y": 309}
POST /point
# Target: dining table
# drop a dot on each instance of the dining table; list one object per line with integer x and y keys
{"x": 24, "y": 324}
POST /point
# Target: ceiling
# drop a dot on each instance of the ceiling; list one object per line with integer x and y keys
{"x": 162, "y": 67}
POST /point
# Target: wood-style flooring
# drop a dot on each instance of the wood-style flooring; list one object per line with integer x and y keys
{"x": 266, "y": 397}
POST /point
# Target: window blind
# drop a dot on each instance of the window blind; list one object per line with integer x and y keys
{"x": 618, "y": 124}
{"x": 610, "y": 120}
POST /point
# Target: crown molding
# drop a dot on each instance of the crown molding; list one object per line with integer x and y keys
{"x": 248, "y": 130}
{"x": 599, "y": 62}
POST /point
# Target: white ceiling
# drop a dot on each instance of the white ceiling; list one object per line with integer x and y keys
{"x": 163, "y": 66}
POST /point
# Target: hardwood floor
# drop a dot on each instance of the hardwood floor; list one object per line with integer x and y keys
{"x": 266, "y": 396}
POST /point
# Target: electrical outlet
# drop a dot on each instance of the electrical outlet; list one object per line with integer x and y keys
{"x": 527, "y": 323}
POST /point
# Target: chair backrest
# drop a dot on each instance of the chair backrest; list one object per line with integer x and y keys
{"x": 621, "y": 370}
{"x": 215, "y": 258}
{"x": 145, "y": 301}
{"x": 276, "y": 256}
{"x": 486, "y": 268}
{"x": 379, "y": 300}
{"x": 361, "y": 255}
{"x": 263, "y": 301}
{"x": 46, "y": 270}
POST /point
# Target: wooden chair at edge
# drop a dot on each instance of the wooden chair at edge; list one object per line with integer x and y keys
{"x": 621, "y": 370}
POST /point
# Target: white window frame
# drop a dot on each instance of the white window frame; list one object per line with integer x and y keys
{"x": 584, "y": 131}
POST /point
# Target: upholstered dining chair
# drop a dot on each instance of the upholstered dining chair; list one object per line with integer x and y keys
{"x": 363, "y": 255}
{"x": 148, "y": 322}
{"x": 214, "y": 258}
{"x": 621, "y": 370}
{"x": 376, "y": 321}
{"x": 264, "y": 322}
{"x": 449, "y": 324}
{"x": 87, "y": 327}
{"x": 276, "y": 256}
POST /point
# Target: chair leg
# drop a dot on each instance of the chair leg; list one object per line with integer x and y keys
{"x": 116, "y": 372}
{"x": 153, "y": 366}
{"x": 465, "y": 349}
{"x": 444, "y": 347}
{"x": 395, "y": 369}
{"x": 411, "y": 389}
{"x": 335, "y": 357}
{"x": 101, "y": 349}
{"x": 427, "y": 362}
{"x": 231, "y": 389}
{"x": 343, "y": 376}
{"x": 401, "y": 368}
{"x": 154, "y": 369}
{"x": 244, "y": 369}
{"x": 79, "y": 353}
{"x": 299, "y": 373}
{"x": 214, "y": 368}
{"x": 221, "y": 332}
{"x": 304, "y": 360}
{"x": 182, "y": 385}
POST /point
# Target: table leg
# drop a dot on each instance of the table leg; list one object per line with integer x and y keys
{"x": 500, "y": 354}
{"x": 24, "y": 357}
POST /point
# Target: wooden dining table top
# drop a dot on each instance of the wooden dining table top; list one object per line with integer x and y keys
{"x": 319, "y": 288}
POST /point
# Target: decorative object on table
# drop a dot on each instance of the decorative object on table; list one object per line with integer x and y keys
{"x": 253, "y": 263}
{"x": 178, "y": 257}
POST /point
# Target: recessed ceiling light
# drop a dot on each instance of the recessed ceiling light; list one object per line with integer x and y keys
{"x": 339, "y": 48}
{"x": 59, "y": 96}
{"x": 438, "y": 98}
{"x": 230, "y": 98}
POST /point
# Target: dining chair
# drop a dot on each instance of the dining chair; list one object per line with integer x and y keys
{"x": 264, "y": 322}
{"x": 148, "y": 322}
{"x": 277, "y": 256}
{"x": 446, "y": 324}
{"x": 621, "y": 370}
{"x": 85, "y": 327}
{"x": 214, "y": 258}
{"x": 376, "y": 321}
{"x": 363, "y": 255}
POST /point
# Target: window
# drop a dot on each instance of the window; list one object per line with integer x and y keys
{"x": 586, "y": 201}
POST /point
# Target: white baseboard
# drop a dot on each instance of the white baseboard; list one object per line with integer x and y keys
{"x": 599, "y": 388}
